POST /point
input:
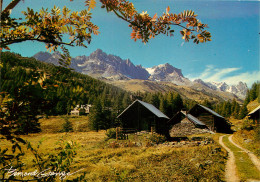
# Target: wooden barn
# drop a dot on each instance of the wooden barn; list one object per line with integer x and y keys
{"x": 254, "y": 115}
{"x": 211, "y": 119}
{"x": 177, "y": 118}
{"x": 141, "y": 116}
{"x": 203, "y": 118}
{"x": 183, "y": 124}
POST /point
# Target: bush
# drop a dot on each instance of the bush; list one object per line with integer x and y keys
{"x": 67, "y": 126}
{"x": 257, "y": 134}
{"x": 157, "y": 138}
{"x": 247, "y": 125}
{"x": 111, "y": 133}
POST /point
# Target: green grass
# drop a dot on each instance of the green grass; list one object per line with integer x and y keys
{"x": 53, "y": 124}
{"x": 102, "y": 162}
{"x": 246, "y": 169}
{"x": 249, "y": 140}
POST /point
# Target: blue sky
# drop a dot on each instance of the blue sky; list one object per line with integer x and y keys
{"x": 231, "y": 56}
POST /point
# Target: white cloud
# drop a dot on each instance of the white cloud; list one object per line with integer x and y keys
{"x": 247, "y": 77}
{"x": 206, "y": 72}
{"x": 227, "y": 75}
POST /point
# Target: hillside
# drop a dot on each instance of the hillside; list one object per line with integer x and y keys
{"x": 187, "y": 92}
{"x": 53, "y": 90}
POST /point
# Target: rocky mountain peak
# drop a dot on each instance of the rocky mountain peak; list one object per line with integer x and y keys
{"x": 239, "y": 90}
{"x": 97, "y": 54}
{"x": 42, "y": 56}
{"x": 167, "y": 69}
{"x": 99, "y": 64}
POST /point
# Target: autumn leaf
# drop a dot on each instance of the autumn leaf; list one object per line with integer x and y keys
{"x": 200, "y": 37}
{"x": 167, "y": 10}
{"x": 154, "y": 17}
{"x": 91, "y": 4}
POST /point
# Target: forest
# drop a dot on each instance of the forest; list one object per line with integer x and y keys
{"x": 30, "y": 89}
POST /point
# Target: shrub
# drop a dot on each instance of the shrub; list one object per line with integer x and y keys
{"x": 247, "y": 125}
{"x": 67, "y": 126}
{"x": 157, "y": 138}
{"x": 111, "y": 133}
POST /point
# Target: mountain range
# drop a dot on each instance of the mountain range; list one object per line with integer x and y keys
{"x": 113, "y": 69}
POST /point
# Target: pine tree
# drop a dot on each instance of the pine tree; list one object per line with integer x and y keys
{"x": 207, "y": 104}
{"x": 67, "y": 125}
{"x": 253, "y": 93}
{"x": 95, "y": 116}
{"x": 243, "y": 112}
{"x": 126, "y": 100}
{"x": 235, "y": 108}
{"x": 163, "y": 105}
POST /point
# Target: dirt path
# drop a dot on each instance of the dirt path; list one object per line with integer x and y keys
{"x": 253, "y": 157}
{"x": 230, "y": 171}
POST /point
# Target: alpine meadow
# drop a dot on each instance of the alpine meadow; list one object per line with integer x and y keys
{"x": 127, "y": 90}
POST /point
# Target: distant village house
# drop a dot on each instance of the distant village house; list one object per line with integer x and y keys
{"x": 81, "y": 110}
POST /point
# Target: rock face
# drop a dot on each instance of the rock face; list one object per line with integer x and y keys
{"x": 110, "y": 66}
{"x": 101, "y": 65}
{"x": 166, "y": 72}
{"x": 240, "y": 89}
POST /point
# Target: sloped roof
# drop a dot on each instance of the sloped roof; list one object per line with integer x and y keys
{"x": 176, "y": 119}
{"x": 255, "y": 110}
{"x": 195, "y": 120}
{"x": 212, "y": 112}
{"x": 148, "y": 106}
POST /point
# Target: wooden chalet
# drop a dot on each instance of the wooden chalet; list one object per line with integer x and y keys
{"x": 81, "y": 110}
{"x": 254, "y": 115}
{"x": 203, "y": 117}
{"x": 141, "y": 116}
{"x": 177, "y": 118}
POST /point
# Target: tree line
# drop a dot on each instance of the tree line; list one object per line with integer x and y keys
{"x": 30, "y": 88}
{"x": 233, "y": 108}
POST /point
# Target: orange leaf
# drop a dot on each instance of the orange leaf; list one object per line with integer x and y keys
{"x": 7, "y": 48}
{"x": 167, "y": 10}
{"x": 154, "y": 17}
{"x": 91, "y": 4}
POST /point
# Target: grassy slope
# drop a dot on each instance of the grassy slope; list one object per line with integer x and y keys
{"x": 103, "y": 162}
{"x": 197, "y": 93}
{"x": 54, "y": 123}
{"x": 246, "y": 169}
{"x": 248, "y": 139}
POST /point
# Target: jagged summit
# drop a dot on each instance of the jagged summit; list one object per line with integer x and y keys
{"x": 102, "y": 65}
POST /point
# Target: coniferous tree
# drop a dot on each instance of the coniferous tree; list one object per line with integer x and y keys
{"x": 126, "y": 100}
{"x": 163, "y": 105}
{"x": 95, "y": 116}
{"x": 247, "y": 99}
{"x": 243, "y": 111}
{"x": 67, "y": 125}
{"x": 253, "y": 93}
{"x": 178, "y": 102}
{"x": 235, "y": 109}
{"x": 207, "y": 103}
